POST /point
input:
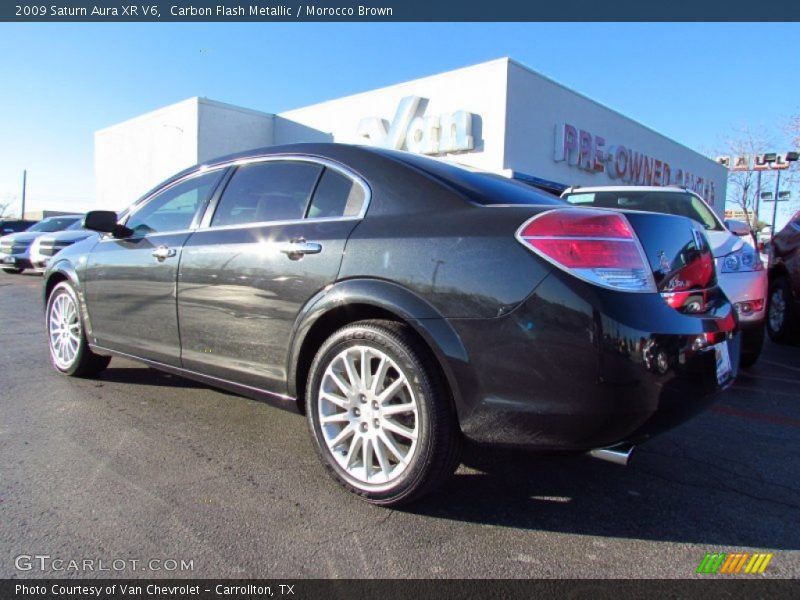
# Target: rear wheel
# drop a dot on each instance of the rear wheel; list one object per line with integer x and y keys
{"x": 69, "y": 351}
{"x": 782, "y": 322}
{"x": 380, "y": 415}
{"x": 11, "y": 270}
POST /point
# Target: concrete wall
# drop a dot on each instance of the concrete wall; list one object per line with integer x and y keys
{"x": 224, "y": 129}
{"x": 135, "y": 155}
{"x": 480, "y": 90}
{"x": 537, "y": 106}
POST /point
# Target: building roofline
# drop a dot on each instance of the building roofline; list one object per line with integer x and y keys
{"x": 503, "y": 59}
{"x": 525, "y": 67}
{"x": 197, "y": 100}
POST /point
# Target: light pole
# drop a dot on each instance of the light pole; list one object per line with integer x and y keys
{"x": 770, "y": 158}
{"x": 24, "y": 185}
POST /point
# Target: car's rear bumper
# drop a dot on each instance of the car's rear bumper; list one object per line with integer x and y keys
{"x": 575, "y": 368}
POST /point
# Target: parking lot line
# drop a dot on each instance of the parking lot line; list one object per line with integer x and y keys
{"x": 755, "y": 416}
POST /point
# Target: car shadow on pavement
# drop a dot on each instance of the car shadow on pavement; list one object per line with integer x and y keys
{"x": 139, "y": 375}
{"x": 662, "y": 496}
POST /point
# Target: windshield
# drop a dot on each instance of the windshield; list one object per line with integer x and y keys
{"x": 671, "y": 203}
{"x": 55, "y": 224}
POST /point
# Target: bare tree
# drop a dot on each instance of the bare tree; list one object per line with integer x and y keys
{"x": 793, "y": 129}
{"x": 743, "y": 185}
{"x": 4, "y": 211}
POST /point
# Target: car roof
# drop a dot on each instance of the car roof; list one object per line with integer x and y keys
{"x": 392, "y": 167}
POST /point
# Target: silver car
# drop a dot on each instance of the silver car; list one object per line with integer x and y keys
{"x": 47, "y": 246}
{"x": 15, "y": 247}
{"x": 739, "y": 267}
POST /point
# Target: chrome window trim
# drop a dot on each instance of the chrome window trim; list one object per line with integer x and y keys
{"x": 256, "y": 224}
{"x": 324, "y": 162}
{"x": 139, "y": 204}
{"x": 155, "y": 234}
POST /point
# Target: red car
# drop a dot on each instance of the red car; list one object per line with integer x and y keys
{"x": 783, "y": 303}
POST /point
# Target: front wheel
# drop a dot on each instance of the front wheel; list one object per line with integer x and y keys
{"x": 69, "y": 350}
{"x": 380, "y": 414}
{"x": 12, "y": 270}
{"x": 782, "y": 323}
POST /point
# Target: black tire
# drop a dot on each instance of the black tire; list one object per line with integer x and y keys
{"x": 12, "y": 270}
{"x": 84, "y": 363}
{"x": 434, "y": 454}
{"x": 782, "y": 326}
{"x": 752, "y": 343}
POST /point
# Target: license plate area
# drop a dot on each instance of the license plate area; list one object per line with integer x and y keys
{"x": 723, "y": 359}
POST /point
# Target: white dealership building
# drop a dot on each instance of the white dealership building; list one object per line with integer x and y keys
{"x": 498, "y": 116}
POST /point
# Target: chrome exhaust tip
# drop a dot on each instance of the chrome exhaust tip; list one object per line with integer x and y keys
{"x": 620, "y": 455}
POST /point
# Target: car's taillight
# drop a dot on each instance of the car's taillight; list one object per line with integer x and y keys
{"x": 595, "y": 245}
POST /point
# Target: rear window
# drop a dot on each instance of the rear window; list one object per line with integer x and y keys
{"x": 336, "y": 196}
{"x": 483, "y": 188}
{"x": 671, "y": 203}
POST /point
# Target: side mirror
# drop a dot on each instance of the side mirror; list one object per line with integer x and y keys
{"x": 737, "y": 227}
{"x": 105, "y": 221}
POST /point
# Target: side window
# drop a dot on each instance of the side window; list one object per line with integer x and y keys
{"x": 336, "y": 196}
{"x": 174, "y": 208}
{"x": 267, "y": 191}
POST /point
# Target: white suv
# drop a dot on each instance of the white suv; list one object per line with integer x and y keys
{"x": 741, "y": 273}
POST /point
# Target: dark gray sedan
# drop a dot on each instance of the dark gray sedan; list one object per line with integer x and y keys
{"x": 403, "y": 305}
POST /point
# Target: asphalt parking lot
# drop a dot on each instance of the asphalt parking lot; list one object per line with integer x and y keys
{"x": 139, "y": 465}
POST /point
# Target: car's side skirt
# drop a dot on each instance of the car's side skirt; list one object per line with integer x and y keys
{"x": 271, "y": 398}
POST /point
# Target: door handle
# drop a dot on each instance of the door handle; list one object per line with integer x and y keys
{"x": 164, "y": 252}
{"x": 296, "y": 249}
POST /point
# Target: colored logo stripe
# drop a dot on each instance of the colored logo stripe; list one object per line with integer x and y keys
{"x": 734, "y": 563}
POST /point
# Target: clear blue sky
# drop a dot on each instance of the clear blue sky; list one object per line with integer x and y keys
{"x": 61, "y": 82}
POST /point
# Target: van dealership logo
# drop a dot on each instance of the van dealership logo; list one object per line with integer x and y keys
{"x": 584, "y": 150}
{"x": 414, "y": 131}
{"x": 734, "y": 564}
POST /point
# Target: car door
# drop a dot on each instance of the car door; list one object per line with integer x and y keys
{"x": 274, "y": 238}
{"x": 129, "y": 283}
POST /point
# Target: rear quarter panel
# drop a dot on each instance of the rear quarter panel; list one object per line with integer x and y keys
{"x": 464, "y": 261}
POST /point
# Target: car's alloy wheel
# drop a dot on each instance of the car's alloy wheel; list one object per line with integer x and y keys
{"x": 781, "y": 320}
{"x": 69, "y": 351}
{"x": 777, "y": 309}
{"x": 368, "y": 413}
{"x": 380, "y": 414}
{"x": 64, "y": 329}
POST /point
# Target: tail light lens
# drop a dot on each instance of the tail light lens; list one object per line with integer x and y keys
{"x": 595, "y": 245}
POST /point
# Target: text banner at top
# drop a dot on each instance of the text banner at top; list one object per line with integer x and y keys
{"x": 395, "y": 10}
